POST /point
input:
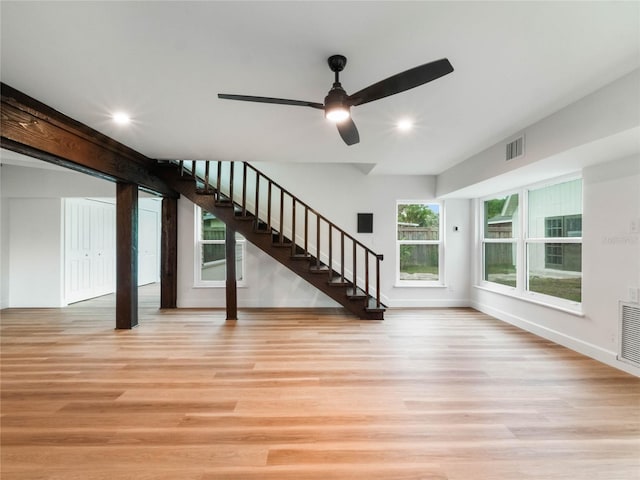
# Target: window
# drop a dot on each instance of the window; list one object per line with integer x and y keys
{"x": 499, "y": 249}
{"x": 554, "y": 240}
{"x": 543, "y": 260}
{"x": 419, "y": 243}
{"x": 210, "y": 268}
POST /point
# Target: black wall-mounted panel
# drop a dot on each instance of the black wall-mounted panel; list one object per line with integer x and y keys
{"x": 365, "y": 223}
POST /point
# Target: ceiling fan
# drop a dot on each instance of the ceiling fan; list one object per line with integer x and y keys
{"x": 337, "y": 104}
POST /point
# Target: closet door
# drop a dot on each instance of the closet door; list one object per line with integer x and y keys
{"x": 77, "y": 241}
{"x": 103, "y": 248}
{"x": 148, "y": 247}
{"x": 90, "y": 231}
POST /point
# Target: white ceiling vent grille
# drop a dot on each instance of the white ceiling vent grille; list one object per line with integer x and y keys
{"x": 630, "y": 333}
{"x": 515, "y": 148}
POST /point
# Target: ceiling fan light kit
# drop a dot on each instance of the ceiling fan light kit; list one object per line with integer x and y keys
{"x": 337, "y": 104}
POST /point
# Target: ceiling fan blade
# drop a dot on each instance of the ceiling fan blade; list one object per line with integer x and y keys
{"x": 348, "y": 131}
{"x": 401, "y": 82}
{"x": 279, "y": 101}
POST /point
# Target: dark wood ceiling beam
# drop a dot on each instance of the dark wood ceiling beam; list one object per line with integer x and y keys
{"x": 37, "y": 130}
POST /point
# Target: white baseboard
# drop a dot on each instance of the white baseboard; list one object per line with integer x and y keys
{"x": 590, "y": 350}
{"x": 425, "y": 303}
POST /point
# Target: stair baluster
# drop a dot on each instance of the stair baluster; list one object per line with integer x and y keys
{"x": 281, "y": 234}
{"x": 293, "y": 226}
{"x": 244, "y": 188}
{"x": 269, "y": 206}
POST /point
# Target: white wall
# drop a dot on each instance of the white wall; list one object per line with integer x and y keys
{"x": 35, "y": 250}
{"x": 338, "y": 192}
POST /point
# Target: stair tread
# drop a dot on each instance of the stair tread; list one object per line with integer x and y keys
{"x": 301, "y": 256}
{"x": 356, "y": 293}
{"x": 318, "y": 269}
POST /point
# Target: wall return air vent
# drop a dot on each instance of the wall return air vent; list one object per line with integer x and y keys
{"x": 629, "y": 350}
{"x": 515, "y": 148}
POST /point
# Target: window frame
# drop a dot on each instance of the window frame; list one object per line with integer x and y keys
{"x": 523, "y": 241}
{"x": 241, "y": 242}
{"x": 440, "y": 282}
{"x": 514, "y": 240}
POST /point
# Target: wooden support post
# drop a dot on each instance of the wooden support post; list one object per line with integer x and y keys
{"x": 169, "y": 253}
{"x": 231, "y": 290}
{"x": 126, "y": 255}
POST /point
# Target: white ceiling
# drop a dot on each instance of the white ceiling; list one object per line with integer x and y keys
{"x": 164, "y": 63}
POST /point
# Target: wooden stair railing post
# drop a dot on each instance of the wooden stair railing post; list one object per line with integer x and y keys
{"x": 207, "y": 187}
{"x": 293, "y": 225}
{"x": 219, "y": 181}
{"x": 317, "y": 240}
{"x": 342, "y": 261}
{"x": 193, "y": 170}
{"x": 269, "y": 206}
{"x": 306, "y": 230}
{"x": 281, "y": 237}
{"x": 378, "y": 259}
{"x": 330, "y": 252}
{"x": 231, "y": 173}
{"x": 244, "y": 189}
{"x": 366, "y": 274}
{"x": 355, "y": 271}
{"x": 257, "y": 205}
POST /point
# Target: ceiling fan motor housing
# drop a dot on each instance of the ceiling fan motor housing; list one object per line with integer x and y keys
{"x": 335, "y": 99}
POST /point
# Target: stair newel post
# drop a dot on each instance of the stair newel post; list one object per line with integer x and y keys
{"x": 342, "y": 258}
{"x": 317, "y": 240}
{"x": 269, "y": 207}
{"x": 293, "y": 225}
{"x": 330, "y": 252}
{"x": 218, "y": 181}
{"x": 244, "y": 189}
{"x": 181, "y": 163}
{"x": 206, "y": 176}
{"x": 378, "y": 259}
{"x": 366, "y": 273}
{"x": 281, "y": 237}
{"x": 231, "y": 170}
{"x": 193, "y": 169}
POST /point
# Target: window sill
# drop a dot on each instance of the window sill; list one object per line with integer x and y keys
{"x": 517, "y": 296}
{"x": 418, "y": 285}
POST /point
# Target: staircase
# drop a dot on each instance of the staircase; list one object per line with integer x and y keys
{"x": 285, "y": 228}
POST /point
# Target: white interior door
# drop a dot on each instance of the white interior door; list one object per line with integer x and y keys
{"x": 89, "y": 241}
{"x": 148, "y": 246}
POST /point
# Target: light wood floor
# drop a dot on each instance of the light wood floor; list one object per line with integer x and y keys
{"x": 305, "y": 395}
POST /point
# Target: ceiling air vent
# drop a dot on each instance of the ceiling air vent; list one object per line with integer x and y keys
{"x": 629, "y": 333}
{"x": 515, "y": 148}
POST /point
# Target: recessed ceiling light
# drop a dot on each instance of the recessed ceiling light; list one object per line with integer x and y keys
{"x": 121, "y": 118}
{"x": 405, "y": 125}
